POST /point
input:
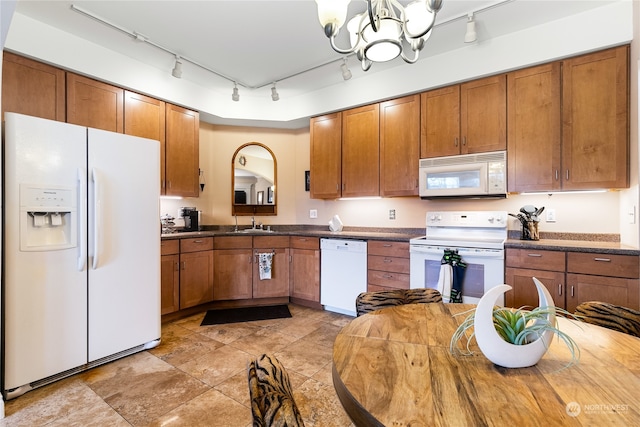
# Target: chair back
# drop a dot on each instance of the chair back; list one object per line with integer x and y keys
{"x": 272, "y": 403}
{"x": 367, "y": 302}
{"x": 610, "y": 316}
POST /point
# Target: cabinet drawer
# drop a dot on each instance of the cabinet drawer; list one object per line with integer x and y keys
{"x": 233, "y": 242}
{"x": 271, "y": 242}
{"x": 387, "y": 263}
{"x": 536, "y": 259}
{"x": 196, "y": 244}
{"x": 599, "y": 264}
{"x": 301, "y": 242}
{"x": 388, "y": 279}
{"x": 169, "y": 247}
{"x": 386, "y": 248}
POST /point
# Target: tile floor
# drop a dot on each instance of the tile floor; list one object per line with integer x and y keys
{"x": 195, "y": 377}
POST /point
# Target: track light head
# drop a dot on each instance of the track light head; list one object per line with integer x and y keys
{"x": 235, "y": 95}
{"x": 177, "y": 69}
{"x": 274, "y": 92}
{"x": 470, "y": 36}
{"x": 346, "y": 72}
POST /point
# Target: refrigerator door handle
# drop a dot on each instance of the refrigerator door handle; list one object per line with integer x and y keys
{"x": 82, "y": 184}
{"x": 97, "y": 182}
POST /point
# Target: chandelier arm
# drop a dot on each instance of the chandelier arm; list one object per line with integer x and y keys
{"x": 371, "y": 16}
{"x": 410, "y": 60}
{"x": 332, "y": 40}
{"x": 366, "y": 64}
{"x": 409, "y": 35}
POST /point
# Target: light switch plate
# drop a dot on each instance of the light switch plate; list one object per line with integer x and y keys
{"x": 313, "y": 213}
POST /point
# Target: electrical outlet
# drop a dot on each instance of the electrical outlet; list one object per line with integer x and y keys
{"x": 551, "y": 215}
{"x": 632, "y": 215}
{"x": 313, "y": 213}
{"x": 392, "y": 214}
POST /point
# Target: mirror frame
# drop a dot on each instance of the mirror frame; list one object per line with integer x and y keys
{"x": 257, "y": 210}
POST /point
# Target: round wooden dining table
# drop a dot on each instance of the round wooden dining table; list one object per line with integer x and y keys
{"x": 393, "y": 367}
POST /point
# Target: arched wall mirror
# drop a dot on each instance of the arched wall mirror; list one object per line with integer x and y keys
{"x": 253, "y": 180}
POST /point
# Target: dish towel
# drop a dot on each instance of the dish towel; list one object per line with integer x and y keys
{"x": 445, "y": 279}
{"x": 264, "y": 264}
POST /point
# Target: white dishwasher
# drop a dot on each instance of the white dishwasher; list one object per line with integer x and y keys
{"x": 343, "y": 274}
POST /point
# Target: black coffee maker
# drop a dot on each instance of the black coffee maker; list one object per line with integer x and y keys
{"x": 190, "y": 216}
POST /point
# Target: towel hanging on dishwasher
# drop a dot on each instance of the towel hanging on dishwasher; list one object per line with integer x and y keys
{"x": 264, "y": 265}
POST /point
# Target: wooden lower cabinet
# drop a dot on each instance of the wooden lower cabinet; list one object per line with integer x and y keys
{"x": 572, "y": 278}
{"x": 387, "y": 265}
{"x": 305, "y": 268}
{"x": 233, "y": 266}
{"x": 525, "y": 293}
{"x": 196, "y": 271}
{"x": 169, "y": 276}
{"x": 278, "y": 284}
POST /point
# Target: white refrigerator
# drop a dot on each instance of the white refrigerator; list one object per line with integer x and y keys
{"x": 81, "y": 247}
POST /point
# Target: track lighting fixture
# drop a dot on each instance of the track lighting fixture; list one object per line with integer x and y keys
{"x": 470, "y": 36}
{"x": 177, "y": 68}
{"x": 274, "y": 92}
{"x": 346, "y": 72}
{"x": 235, "y": 96}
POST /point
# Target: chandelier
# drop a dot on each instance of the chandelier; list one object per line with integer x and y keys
{"x": 384, "y": 31}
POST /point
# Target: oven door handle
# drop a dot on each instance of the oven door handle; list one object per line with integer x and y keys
{"x": 465, "y": 254}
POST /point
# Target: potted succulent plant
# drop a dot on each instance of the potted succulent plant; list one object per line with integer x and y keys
{"x": 512, "y": 338}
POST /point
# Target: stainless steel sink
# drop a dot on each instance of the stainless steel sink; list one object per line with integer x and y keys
{"x": 255, "y": 230}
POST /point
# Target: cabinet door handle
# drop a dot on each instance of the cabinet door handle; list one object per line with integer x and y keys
{"x": 571, "y": 291}
{"x": 567, "y": 174}
{"x": 387, "y": 245}
{"x": 560, "y": 289}
{"x": 387, "y": 260}
{"x": 464, "y": 140}
{"x": 455, "y": 141}
{"x": 197, "y": 241}
{"x": 602, "y": 259}
{"x": 535, "y": 255}
{"x": 177, "y": 266}
{"x": 184, "y": 264}
{"x": 388, "y": 276}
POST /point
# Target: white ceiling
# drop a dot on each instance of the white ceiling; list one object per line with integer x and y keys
{"x": 259, "y": 42}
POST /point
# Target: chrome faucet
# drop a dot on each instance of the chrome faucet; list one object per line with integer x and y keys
{"x": 253, "y": 222}
{"x": 236, "y": 229}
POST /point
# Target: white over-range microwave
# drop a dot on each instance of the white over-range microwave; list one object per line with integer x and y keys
{"x": 467, "y": 175}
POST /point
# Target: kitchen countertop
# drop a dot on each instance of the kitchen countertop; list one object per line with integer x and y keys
{"x": 614, "y": 248}
{"x": 609, "y": 244}
{"x": 355, "y": 233}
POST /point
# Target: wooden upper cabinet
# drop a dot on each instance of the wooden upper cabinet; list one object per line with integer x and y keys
{"x": 399, "y": 146}
{"x": 182, "y": 151}
{"x": 595, "y": 120}
{"x": 465, "y": 119}
{"x": 326, "y": 156}
{"x": 483, "y": 115}
{"x": 32, "y": 88}
{"x": 440, "y": 122}
{"x": 534, "y": 128}
{"x": 145, "y": 117}
{"x": 94, "y": 104}
{"x": 361, "y": 151}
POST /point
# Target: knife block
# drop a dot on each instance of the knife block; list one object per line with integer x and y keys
{"x": 530, "y": 231}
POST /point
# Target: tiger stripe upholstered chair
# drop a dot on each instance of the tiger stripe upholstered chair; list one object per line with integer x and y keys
{"x": 610, "y": 316}
{"x": 272, "y": 403}
{"x": 367, "y": 302}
